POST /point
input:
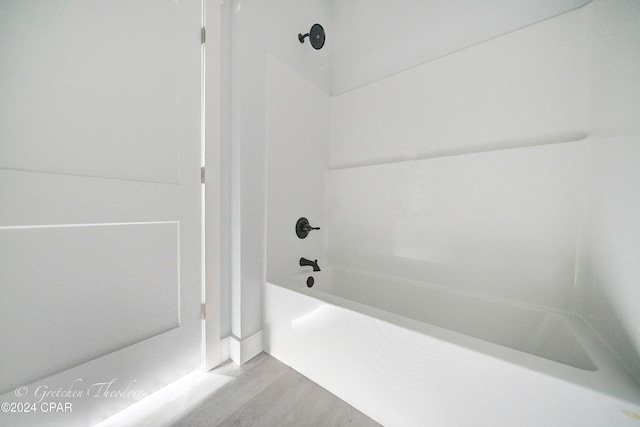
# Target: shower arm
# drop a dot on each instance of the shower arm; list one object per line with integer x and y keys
{"x": 301, "y": 37}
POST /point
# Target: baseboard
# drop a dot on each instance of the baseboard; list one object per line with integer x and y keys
{"x": 241, "y": 351}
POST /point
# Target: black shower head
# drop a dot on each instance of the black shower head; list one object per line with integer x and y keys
{"x": 316, "y": 36}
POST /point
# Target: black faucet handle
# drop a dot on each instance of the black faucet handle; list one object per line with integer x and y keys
{"x": 303, "y": 228}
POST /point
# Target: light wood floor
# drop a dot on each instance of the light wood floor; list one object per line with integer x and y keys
{"x": 265, "y": 392}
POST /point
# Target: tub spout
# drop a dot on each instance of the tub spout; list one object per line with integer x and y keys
{"x": 307, "y": 262}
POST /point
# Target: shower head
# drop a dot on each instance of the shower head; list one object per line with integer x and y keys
{"x": 316, "y": 36}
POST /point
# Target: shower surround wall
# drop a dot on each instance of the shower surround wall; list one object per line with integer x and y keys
{"x": 259, "y": 28}
{"x": 467, "y": 175}
{"x": 611, "y": 271}
{"x": 507, "y": 169}
{"x": 296, "y": 162}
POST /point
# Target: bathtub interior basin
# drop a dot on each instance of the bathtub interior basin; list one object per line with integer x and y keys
{"x": 529, "y": 329}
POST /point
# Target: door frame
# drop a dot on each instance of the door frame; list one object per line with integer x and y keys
{"x": 213, "y": 352}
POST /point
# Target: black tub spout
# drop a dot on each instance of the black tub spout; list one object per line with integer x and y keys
{"x": 307, "y": 262}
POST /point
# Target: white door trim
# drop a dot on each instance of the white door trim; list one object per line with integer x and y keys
{"x": 213, "y": 353}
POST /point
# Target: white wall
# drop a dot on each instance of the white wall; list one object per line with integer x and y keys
{"x": 296, "y": 162}
{"x": 612, "y": 266}
{"x": 468, "y": 175}
{"x": 378, "y": 39}
{"x": 257, "y": 28}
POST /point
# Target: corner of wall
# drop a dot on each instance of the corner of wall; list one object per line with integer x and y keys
{"x": 241, "y": 351}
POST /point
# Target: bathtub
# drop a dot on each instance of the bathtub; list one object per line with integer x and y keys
{"x": 411, "y": 354}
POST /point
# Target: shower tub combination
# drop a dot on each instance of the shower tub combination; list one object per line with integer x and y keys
{"x": 412, "y": 354}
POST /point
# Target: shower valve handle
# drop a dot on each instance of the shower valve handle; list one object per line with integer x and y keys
{"x": 303, "y": 228}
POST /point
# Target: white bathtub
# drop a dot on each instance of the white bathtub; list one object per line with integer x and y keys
{"x": 408, "y": 354}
